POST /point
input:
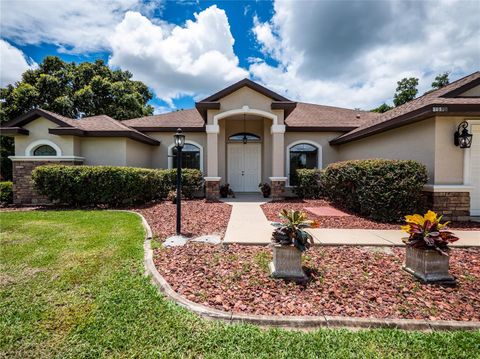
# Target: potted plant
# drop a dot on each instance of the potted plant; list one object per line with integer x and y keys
{"x": 226, "y": 191}
{"x": 266, "y": 189}
{"x": 289, "y": 241}
{"x": 427, "y": 247}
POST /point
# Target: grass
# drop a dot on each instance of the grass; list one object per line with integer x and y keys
{"x": 72, "y": 286}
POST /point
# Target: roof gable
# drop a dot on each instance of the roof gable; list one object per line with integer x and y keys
{"x": 242, "y": 83}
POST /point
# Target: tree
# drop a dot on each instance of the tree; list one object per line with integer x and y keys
{"x": 441, "y": 80}
{"x": 406, "y": 91}
{"x": 382, "y": 108}
{"x": 72, "y": 90}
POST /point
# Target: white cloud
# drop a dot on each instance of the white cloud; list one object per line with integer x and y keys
{"x": 74, "y": 26}
{"x": 191, "y": 60}
{"x": 351, "y": 54}
{"x": 13, "y": 63}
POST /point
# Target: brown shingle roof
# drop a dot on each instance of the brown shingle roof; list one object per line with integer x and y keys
{"x": 419, "y": 107}
{"x": 327, "y": 117}
{"x": 186, "y": 119}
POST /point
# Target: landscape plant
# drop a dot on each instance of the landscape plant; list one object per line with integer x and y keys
{"x": 6, "y": 192}
{"x": 291, "y": 230}
{"x": 427, "y": 232}
{"x": 266, "y": 189}
{"x": 309, "y": 184}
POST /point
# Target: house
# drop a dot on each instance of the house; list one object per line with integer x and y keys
{"x": 246, "y": 134}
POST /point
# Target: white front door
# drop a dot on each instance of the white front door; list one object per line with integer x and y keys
{"x": 475, "y": 171}
{"x": 244, "y": 166}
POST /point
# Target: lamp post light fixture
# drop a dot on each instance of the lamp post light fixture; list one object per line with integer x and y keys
{"x": 179, "y": 141}
{"x": 462, "y": 138}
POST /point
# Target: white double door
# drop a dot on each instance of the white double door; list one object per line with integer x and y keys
{"x": 244, "y": 166}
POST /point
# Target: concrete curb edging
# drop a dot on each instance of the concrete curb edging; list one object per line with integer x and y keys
{"x": 296, "y": 322}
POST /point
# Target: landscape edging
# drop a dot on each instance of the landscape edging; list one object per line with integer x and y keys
{"x": 295, "y": 322}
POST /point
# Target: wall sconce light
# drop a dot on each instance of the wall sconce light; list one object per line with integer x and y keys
{"x": 462, "y": 138}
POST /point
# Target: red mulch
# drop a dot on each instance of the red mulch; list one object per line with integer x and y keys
{"x": 353, "y": 221}
{"x": 345, "y": 281}
{"x": 199, "y": 217}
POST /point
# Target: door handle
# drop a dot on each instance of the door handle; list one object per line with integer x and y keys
{"x": 243, "y": 173}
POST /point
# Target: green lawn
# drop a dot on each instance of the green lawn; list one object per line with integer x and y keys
{"x": 72, "y": 286}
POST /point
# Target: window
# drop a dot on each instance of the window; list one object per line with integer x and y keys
{"x": 303, "y": 155}
{"x": 244, "y": 136}
{"x": 44, "y": 150}
{"x": 190, "y": 156}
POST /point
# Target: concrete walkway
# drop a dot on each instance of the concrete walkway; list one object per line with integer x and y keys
{"x": 247, "y": 222}
{"x": 248, "y": 225}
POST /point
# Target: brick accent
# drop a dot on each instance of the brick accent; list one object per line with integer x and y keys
{"x": 23, "y": 192}
{"x": 212, "y": 190}
{"x": 278, "y": 189}
{"x": 452, "y": 205}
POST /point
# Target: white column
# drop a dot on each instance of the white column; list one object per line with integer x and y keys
{"x": 212, "y": 150}
{"x": 278, "y": 150}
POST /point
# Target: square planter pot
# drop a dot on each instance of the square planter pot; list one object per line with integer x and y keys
{"x": 428, "y": 265}
{"x": 287, "y": 263}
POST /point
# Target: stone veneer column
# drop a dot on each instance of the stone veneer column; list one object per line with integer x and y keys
{"x": 212, "y": 188}
{"x": 278, "y": 187}
{"x": 452, "y": 205}
{"x": 23, "y": 191}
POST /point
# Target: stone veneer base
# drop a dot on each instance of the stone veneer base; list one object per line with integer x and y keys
{"x": 452, "y": 205}
{"x": 293, "y": 322}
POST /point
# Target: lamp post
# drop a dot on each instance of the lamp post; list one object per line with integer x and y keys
{"x": 179, "y": 141}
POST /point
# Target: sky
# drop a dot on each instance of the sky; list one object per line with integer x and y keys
{"x": 338, "y": 53}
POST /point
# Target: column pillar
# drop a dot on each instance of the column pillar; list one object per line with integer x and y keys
{"x": 278, "y": 179}
{"x": 212, "y": 181}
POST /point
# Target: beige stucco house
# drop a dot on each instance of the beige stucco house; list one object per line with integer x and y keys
{"x": 246, "y": 134}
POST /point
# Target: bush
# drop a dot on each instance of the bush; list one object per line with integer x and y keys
{"x": 309, "y": 183}
{"x": 111, "y": 186}
{"x": 384, "y": 190}
{"x": 6, "y": 192}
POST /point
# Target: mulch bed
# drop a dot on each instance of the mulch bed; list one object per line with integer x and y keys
{"x": 353, "y": 221}
{"x": 344, "y": 281}
{"x": 199, "y": 217}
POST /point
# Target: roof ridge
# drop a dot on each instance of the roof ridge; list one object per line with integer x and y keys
{"x": 335, "y": 107}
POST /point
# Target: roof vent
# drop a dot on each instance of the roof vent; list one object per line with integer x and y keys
{"x": 357, "y": 116}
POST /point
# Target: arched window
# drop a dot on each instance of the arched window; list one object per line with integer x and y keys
{"x": 191, "y": 157}
{"x": 44, "y": 150}
{"x": 302, "y": 155}
{"x": 244, "y": 136}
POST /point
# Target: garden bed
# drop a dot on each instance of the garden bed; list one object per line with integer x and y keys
{"x": 199, "y": 217}
{"x": 353, "y": 221}
{"x": 344, "y": 281}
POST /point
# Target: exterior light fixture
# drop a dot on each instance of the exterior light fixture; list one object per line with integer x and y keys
{"x": 179, "y": 141}
{"x": 462, "y": 138}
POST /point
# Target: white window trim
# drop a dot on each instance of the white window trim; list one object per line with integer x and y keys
{"x": 287, "y": 156}
{"x": 190, "y": 142}
{"x": 35, "y": 144}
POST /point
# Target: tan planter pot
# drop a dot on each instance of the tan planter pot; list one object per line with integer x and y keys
{"x": 428, "y": 265}
{"x": 287, "y": 263}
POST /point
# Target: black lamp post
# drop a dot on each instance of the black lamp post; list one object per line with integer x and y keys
{"x": 462, "y": 138}
{"x": 179, "y": 141}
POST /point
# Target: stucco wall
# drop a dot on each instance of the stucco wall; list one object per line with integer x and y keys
{"x": 159, "y": 154}
{"x": 39, "y": 131}
{"x": 138, "y": 154}
{"x": 411, "y": 142}
{"x": 475, "y": 91}
{"x": 105, "y": 151}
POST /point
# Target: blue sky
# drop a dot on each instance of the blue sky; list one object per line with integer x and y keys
{"x": 341, "y": 53}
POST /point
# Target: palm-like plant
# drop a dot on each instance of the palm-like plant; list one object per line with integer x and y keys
{"x": 426, "y": 232}
{"x": 291, "y": 230}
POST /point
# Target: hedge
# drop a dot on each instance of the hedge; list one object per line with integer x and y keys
{"x": 309, "y": 183}
{"x": 6, "y": 192}
{"x": 384, "y": 190}
{"x": 108, "y": 185}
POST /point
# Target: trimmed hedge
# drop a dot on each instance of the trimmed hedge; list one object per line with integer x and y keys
{"x": 111, "y": 186}
{"x": 309, "y": 183}
{"x": 6, "y": 192}
{"x": 384, "y": 190}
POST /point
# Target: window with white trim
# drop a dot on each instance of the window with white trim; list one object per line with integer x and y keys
{"x": 302, "y": 155}
{"x": 191, "y": 157}
{"x": 44, "y": 150}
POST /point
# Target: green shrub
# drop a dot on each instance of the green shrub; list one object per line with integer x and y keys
{"x": 111, "y": 186}
{"x": 384, "y": 190}
{"x": 6, "y": 192}
{"x": 309, "y": 183}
